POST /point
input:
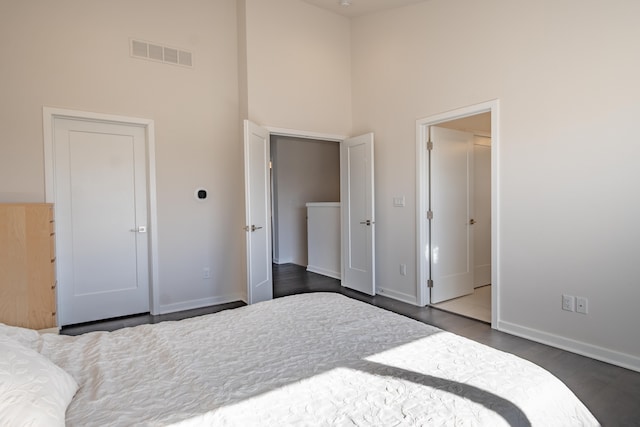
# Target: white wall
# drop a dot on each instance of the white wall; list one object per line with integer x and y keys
{"x": 304, "y": 170}
{"x": 299, "y": 66}
{"x": 566, "y": 76}
{"x": 75, "y": 54}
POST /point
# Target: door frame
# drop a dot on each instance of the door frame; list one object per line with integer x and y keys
{"x": 422, "y": 198}
{"x": 49, "y": 115}
{"x": 299, "y": 134}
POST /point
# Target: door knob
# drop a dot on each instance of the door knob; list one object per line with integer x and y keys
{"x": 251, "y": 228}
{"x": 367, "y": 222}
{"x": 141, "y": 229}
{"x": 472, "y": 221}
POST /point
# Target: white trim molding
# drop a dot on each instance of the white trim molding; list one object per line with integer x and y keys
{"x": 49, "y": 114}
{"x": 400, "y": 296}
{"x": 624, "y": 360}
{"x": 202, "y": 302}
{"x": 303, "y": 134}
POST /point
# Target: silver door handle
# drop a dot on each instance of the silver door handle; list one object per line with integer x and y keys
{"x": 140, "y": 229}
{"x": 367, "y": 222}
{"x": 252, "y": 228}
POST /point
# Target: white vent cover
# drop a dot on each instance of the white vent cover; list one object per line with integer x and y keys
{"x": 156, "y": 52}
{"x": 184, "y": 58}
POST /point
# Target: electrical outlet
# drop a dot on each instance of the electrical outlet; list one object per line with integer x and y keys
{"x": 582, "y": 305}
{"x": 206, "y": 273}
{"x": 568, "y": 302}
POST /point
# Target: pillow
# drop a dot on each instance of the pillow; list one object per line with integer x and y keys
{"x": 33, "y": 390}
{"x": 27, "y": 337}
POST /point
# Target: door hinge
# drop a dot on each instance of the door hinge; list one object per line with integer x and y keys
{"x": 429, "y": 145}
{"x": 429, "y": 215}
{"x": 429, "y": 283}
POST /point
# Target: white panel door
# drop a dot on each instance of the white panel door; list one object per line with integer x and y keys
{"x": 101, "y": 219}
{"x": 358, "y": 218}
{"x": 451, "y": 193}
{"x": 258, "y": 208}
{"x": 482, "y": 211}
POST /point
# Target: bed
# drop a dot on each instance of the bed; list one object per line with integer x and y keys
{"x": 311, "y": 359}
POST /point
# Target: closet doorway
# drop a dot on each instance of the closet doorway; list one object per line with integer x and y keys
{"x": 302, "y": 171}
{"x": 357, "y": 210}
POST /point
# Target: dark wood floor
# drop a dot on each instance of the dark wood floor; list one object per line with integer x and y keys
{"x": 611, "y": 393}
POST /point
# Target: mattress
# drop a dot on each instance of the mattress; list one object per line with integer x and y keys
{"x": 312, "y": 359}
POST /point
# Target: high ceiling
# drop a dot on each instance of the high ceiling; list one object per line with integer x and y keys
{"x": 360, "y": 7}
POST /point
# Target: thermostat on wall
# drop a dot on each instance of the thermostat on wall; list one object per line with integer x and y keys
{"x": 201, "y": 194}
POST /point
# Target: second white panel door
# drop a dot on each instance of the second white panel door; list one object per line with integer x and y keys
{"x": 101, "y": 219}
{"x": 258, "y": 210}
{"x": 358, "y": 216}
{"x": 451, "y": 194}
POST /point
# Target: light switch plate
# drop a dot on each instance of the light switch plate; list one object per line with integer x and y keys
{"x": 398, "y": 202}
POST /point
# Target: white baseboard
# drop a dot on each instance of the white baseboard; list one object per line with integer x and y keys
{"x": 400, "y": 296}
{"x": 624, "y": 360}
{"x": 199, "y": 303}
{"x": 324, "y": 272}
{"x": 482, "y": 275}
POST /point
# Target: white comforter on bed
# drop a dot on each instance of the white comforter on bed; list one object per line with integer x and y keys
{"x": 312, "y": 359}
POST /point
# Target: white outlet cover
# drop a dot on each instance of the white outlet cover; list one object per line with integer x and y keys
{"x": 582, "y": 305}
{"x": 568, "y": 302}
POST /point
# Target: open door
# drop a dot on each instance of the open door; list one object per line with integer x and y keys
{"x": 258, "y": 207}
{"x": 358, "y": 219}
{"x": 450, "y": 196}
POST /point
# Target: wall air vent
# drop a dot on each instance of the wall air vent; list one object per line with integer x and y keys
{"x": 159, "y": 53}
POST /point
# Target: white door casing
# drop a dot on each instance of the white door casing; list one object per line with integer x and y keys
{"x": 257, "y": 211}
{"x": 101, "y": 205}
{"x": 422, "y": 223}
{"x": 451, "y": 195}
{"x": 358, "y": 213}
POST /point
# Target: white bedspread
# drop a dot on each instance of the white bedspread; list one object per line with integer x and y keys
{"x": 313, "y": 359}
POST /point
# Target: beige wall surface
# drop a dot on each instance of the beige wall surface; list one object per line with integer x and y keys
{"x": 298, "y": 67}
{"x": 74, "y": 54}
{"x": 566, "y": 74}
